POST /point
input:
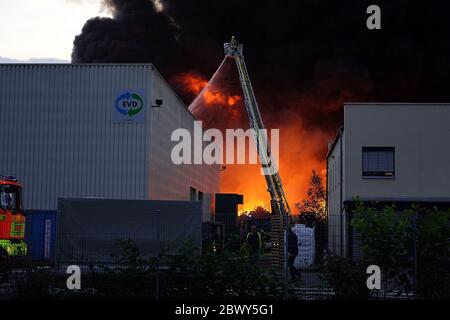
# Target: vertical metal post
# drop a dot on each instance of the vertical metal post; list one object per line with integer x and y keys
{"x": 285, "y": 267}
{"x": 28, "y": 247}
{"x": 415, "y": 254}
{"x": 157, "y": 255}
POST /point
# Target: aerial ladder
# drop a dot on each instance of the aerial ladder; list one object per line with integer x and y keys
{"x": 280, "y": 206}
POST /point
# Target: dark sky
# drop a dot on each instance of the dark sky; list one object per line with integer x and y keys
{"x": 315, "y": 51}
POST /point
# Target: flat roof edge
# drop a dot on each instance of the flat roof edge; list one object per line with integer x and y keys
{"x": 398, "y": 103}
{"x": 401, "y": 199}
{"x": 75, "y": 64}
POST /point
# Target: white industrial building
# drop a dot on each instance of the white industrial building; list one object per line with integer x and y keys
{"x": 392, "y": 153}
{"x": 96, "y": 130}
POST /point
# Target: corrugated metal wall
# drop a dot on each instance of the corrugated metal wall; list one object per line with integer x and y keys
{"x": 57, "y": 134}
{"x": 167, "y": 180}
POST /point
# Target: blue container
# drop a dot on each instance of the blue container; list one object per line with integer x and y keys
{"x": 40, "y": 234}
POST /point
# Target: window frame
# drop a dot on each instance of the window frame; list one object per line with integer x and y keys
{"x": 14, "y": 194}
{"x": 373, "y": 174}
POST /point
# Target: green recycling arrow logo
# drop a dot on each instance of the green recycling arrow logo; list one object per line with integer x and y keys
{"x": 129, "y": 104}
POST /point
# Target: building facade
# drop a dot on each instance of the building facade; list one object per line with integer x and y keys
{"x": 96, "y": 130}
{"x": 389, "y": 153}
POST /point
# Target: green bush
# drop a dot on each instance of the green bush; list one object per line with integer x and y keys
{"x": 185, "y": 275}
{"x": 35, "y": 285}
{"x": 433, "y": 246}
{"x": 387, "y": 238}
{"x": 348, "y": 280}
{"x": 218, "y": 275}
{"x": 411, "y": 247}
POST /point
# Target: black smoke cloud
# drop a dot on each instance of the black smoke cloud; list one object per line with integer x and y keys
{"x": 137, "y": 33}
{"x": 303, "y": 56}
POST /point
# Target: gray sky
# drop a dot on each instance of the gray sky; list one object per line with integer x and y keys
{"x": 43, "y": 29}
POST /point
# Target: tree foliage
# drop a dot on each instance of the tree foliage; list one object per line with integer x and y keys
{"x": 412, "y": 247}
{"x": 259, "y": 212}
{"x": 433, "y": 249}
{"x": 348, "y": 279}
{"x": 313, "y": 207}
{"x": 386, "y": 240}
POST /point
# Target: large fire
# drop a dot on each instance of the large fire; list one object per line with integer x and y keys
{"x": 191, "y": 82}
{"x": 215, "y": 96}
{"x": 212, "y": 95}
{"x": 219, "y": 105}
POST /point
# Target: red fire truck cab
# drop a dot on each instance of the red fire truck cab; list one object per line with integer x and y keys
{"x": 12, "y": 218}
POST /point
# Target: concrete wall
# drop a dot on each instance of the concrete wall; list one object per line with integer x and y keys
{"x": 420, "y": 134}
{"x": 334, "y": 201}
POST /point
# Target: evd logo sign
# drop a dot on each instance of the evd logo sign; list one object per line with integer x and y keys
{"x": 129, "y": 107}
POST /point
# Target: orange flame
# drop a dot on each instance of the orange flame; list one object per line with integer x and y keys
{"x": 212, "y": 96}
{"x": 251, "y": 205}
{"x": 299, "y": 146}
{"x": 194, "y": 83}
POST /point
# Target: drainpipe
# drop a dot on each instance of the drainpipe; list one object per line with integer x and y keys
{"x": 340, "y": 190}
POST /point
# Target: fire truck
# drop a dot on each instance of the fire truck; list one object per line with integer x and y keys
{"x": 12, "y": 217}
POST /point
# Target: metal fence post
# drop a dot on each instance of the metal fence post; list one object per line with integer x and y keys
{"x": 415, "y": 254}
{"x": 157, "y": 255}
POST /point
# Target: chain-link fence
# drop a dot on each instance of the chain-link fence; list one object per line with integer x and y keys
{"x": 205, "y": 262}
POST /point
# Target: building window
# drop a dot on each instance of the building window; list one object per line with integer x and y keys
{"x": 378, "y": 162}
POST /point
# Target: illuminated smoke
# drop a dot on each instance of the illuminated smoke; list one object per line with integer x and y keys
{"x": 305, "y": 59}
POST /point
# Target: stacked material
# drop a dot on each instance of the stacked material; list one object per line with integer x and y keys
{"x": 306, "y": 247}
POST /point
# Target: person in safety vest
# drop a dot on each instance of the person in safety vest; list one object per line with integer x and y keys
{"x": 254, "y": 244}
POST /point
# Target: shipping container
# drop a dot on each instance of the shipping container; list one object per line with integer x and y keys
{"x": 95, "y": 130}
{"x": 40, "y": 234}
